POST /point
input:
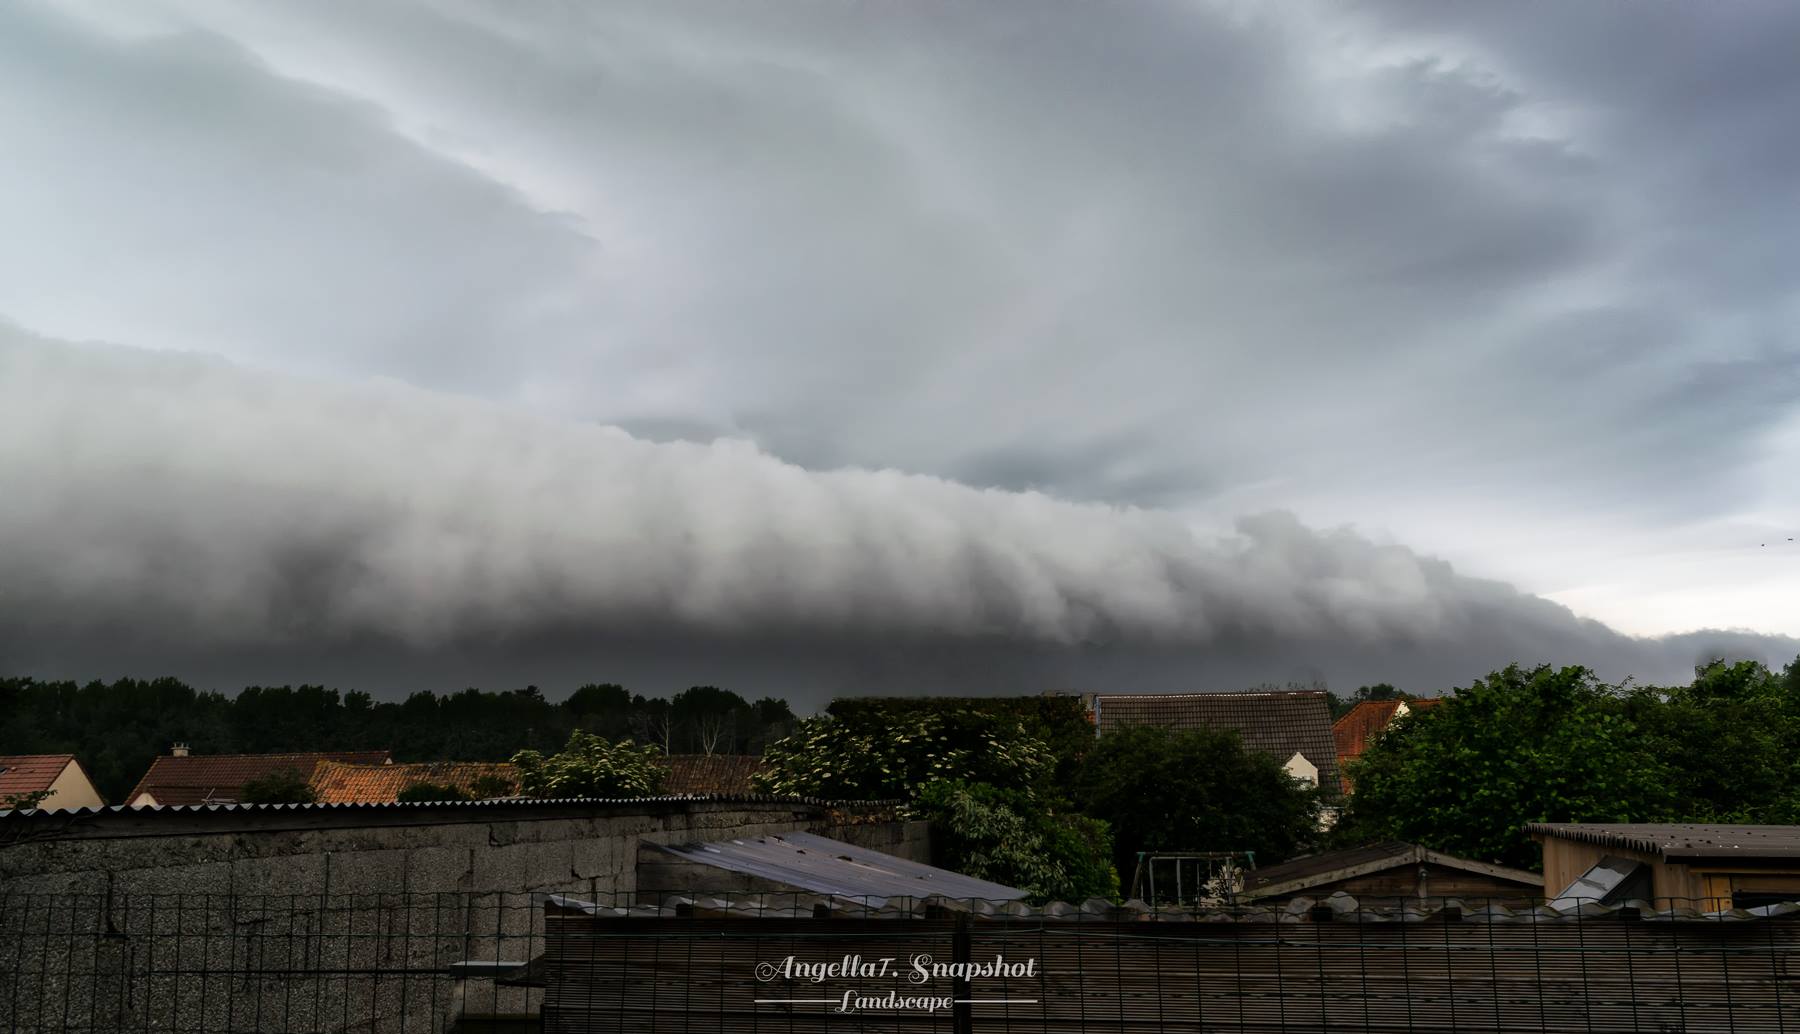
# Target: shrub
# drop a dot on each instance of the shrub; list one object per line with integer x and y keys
{"x": 282, "y": 786}
{"x": 1008, "y": 837}
{"x": 589, "y": 766}
{"x": 423, "y": 791}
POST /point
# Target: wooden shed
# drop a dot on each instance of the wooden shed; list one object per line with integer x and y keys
{"x": 1390, "y": 870}
{"x": 1673, "y": 865}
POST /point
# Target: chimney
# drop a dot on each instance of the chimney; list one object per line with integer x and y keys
{"x": 179, "y": 750}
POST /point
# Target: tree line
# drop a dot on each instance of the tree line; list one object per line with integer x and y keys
{"x": 117, "y": 728}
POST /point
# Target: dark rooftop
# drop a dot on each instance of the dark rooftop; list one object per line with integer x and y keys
{"x": 1301, "y": 873}
{"x": 808, "y": 862}
{"x": 1681, "y": 842}
{"x": 1278, "y": 724}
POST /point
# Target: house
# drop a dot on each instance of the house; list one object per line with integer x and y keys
{"x": 1363, "y": 723}
{"x": 1378, "y": 874}
{"x": 59, "y": 776}
{"x": 183, "y": 778}
{"x": 1293, "y": 727}
{"x": 1671, "y": 865}
{"x": 711, "y": 773}
{"x": 342, "y": 782}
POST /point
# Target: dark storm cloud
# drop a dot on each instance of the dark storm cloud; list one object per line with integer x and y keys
{"x": 387, "y": 531}
{"x": 1509, "y": 285}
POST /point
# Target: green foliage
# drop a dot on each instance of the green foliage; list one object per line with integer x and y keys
{"x": 1200, "y": 790}
{"x": 1008, "y": 837}
{"x": 872, "y": 755}
{"x": 282, "y": 786}
{"x": 24, "y": 801}
{"x": 1745, "y": 706}
{"x": 488, "y": 787}
{"x": 424, "y": 791}
{"x": 1059, "y": 720}
{"x": 1522, "y": 745}
{"x": 589, "y": 766}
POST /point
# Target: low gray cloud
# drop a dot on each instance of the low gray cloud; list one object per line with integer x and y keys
{"x": 184, "y": 510}
{"x": 1508, "y": 286}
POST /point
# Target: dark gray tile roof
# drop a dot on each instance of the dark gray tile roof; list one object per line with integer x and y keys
{"x": 1277, "y": 724}
{"x": 1682, "y": 841}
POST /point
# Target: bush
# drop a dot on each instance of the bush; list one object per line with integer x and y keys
{"x": 423, "y": 791}
{"x": 282, "y": 786}
{"x": 875, "y": 756}
{"x": 488, "y": 787}
{"x": 1008, "y": 837}
{"x": 589, "y": 766}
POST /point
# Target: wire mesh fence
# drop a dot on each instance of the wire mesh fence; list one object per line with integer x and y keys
{"x": 199, "y": 962}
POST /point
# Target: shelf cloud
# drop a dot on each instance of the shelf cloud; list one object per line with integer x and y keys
{"x": 187, "y": 505}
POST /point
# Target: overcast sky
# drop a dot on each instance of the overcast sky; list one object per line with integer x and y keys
{"x": 972, "y": 344}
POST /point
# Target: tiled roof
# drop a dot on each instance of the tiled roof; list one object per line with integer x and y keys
{"x": 717, "y": 773}
{"x": 217, "y": 778}
{"x": 1682, "y": 841}
{"x": 1277, "y": 724}
{"x": 1362, "y": 723}
{"x": 338, "y": 782}
{"x": 30, "y": 773}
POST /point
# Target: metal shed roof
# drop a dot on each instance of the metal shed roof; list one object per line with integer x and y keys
{"x": 1681, "y": 841}
{"x": 820, "y": 865}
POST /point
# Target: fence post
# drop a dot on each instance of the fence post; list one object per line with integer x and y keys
{"x": 962, "y": 1015}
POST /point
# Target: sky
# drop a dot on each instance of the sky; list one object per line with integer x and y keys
{"x": 925, "y": 347}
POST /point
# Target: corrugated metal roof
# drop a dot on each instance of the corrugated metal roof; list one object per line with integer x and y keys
{"x": 1278, "y": 724}
{"x": 806, "y": 861}
{"x": 1682, "y": 841}
{"x": 521, "y": 803}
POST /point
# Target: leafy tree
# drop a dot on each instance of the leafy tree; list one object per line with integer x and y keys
{"x": 877, "y": 757}
{"x": 589, "y": 766}
{"x": 1199, "y": 790}
{"x": 118, "y": 728}
{"x": 487, "y": 787}
{"x": 426, "y": 791}
{"x": 708, "y": 720}
{"x": 1744, "y": 705}
{"x": 1008, "y": 837}
{"x": 1522, "y": 745}
{"x": 282, "y": 786}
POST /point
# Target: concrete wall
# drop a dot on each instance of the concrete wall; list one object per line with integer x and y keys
{"x": 480, "y": 849}
{"x": 286, "y": 918}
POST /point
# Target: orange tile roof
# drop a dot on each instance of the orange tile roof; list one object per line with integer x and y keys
{"x": 30, "y": 773}
{"x": 1361, "y": 724}
{"x": 339, "y": 783}
{"x": 218, "y": 778}
{"x": 717, "y": 773}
